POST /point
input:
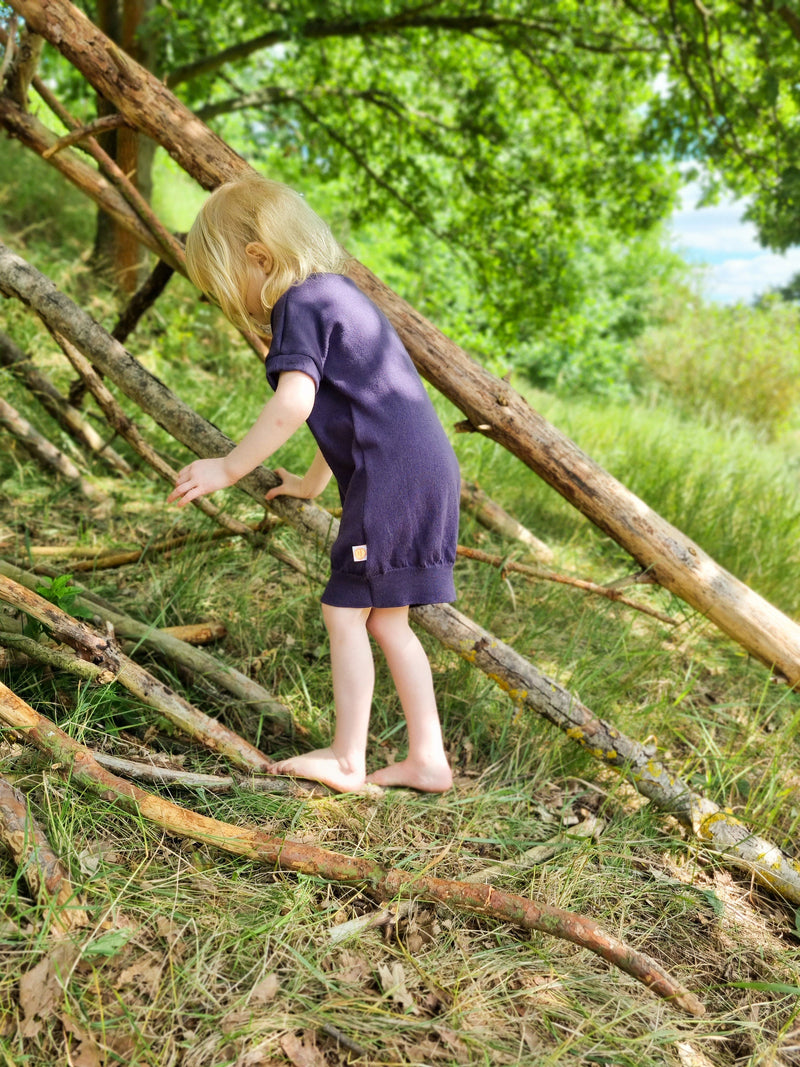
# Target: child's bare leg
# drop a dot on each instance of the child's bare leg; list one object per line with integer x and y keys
{"x": 341, "y": 766}
{"x": 426, "y": 765}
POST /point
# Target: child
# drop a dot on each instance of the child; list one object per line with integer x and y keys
{"x": 334, "y": 361}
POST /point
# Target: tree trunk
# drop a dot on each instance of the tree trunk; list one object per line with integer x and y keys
{"x": 115, "y": 247}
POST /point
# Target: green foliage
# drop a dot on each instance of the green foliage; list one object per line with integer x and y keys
{"x": 61, "y": 592}
{"x": 724, "y": 363}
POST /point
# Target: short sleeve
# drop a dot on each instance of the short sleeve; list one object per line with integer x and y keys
{"x": 298, "y": 340}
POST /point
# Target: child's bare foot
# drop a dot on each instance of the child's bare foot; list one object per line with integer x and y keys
{"x": 427, "y": 777}
{"x": 323, "y": 765}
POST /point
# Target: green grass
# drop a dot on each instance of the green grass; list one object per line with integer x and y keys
{"x": 203, "y": 959}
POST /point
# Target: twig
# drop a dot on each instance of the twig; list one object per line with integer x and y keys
{"x": 101, "y": 125}
{"x": 47, "y": 877}
{"x": 101, "y": 653}
{"x": 536, "y": 573}
{"x": 76, "y": 763}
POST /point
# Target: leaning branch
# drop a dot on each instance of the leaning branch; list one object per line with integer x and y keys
{"x": 46, "y": 454}
{"x": 57, "y": 406}
{"x": 76, "y": 762}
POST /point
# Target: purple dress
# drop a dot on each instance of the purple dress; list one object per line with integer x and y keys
{"x": 375, "y": 425}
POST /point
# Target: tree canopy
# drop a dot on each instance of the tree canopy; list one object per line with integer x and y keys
{"x": 520, "y": 153}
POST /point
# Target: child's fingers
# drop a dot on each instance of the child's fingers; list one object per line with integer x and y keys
{"x": 278, "y": 490}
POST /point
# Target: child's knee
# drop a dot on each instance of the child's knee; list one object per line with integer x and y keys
{"x": 388, "y": 624}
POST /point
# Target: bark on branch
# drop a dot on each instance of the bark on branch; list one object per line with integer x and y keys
{"x": 78, "y": 763}
{"x": 46, "y": 875}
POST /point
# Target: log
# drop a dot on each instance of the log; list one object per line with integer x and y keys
{"x": 526, "y": 686}
{"x": 673, "y": 560}
{"x": 76, "y": 763}
{"x": 47, "y": 877}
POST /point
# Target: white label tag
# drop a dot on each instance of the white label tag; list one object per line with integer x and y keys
{"x": 359, "y": 553}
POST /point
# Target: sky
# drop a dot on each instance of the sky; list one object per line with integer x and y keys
{"x": 737, "y": 268}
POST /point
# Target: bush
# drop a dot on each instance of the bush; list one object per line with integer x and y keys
{"x": 729, "y": 361}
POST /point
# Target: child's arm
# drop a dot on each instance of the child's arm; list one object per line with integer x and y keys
{"x": 283, "y": 413}
{"x": 310, "y": 485}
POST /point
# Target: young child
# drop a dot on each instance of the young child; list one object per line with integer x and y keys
{"x": 336, "y": 363}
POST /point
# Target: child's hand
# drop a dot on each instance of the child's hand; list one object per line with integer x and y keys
{"x": 291, "y": 485}
{"x": 198, "y": 479}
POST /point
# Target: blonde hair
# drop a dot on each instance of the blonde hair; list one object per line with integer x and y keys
{"x": 256, "y": 209}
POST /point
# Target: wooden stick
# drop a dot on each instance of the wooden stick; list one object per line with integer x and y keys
{"x": 76, "y": 763}
{"x": 47, "y": 877}
{"x": 46, "y": 454}
{"x": 67, "y": 416}
{"x": 489, "y": 514}
{"x": 101, "y": 653}
{"x": 534, "y": 573}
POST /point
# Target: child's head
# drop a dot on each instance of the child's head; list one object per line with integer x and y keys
{"x": 255, "y": 222}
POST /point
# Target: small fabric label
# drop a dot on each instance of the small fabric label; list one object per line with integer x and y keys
{"x": 359, "y": 553}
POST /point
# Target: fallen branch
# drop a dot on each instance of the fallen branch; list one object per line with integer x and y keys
{"x": 76, "y": 763}
{"x": 58, "y": 407}
{"x": 47, "y": 877}
{"x": 46, "y": 454}
{"x": 535, "y": 573}
{"x": 590, "y": 827}
{"x": 489, "y": 514}
{"x": 195, "y": 661}
{"x": 527, "y": 688}
{"x": 101, "y": 653}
